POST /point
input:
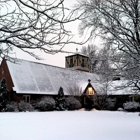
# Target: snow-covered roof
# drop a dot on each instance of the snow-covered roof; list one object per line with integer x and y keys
{"x": 36, "y": 78}
{"x": 77, "y": 53}
{"x": 120, "y": 87}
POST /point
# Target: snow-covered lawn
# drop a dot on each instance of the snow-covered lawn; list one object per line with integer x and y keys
{"x": 70, "y": 125}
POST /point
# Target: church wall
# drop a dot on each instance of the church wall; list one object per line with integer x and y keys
{"x": 4, "y": 73}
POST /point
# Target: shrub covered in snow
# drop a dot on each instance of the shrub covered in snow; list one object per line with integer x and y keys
{"x": 33, "y": 103}
{"x": 12, "y": 106}
{"x": 131, "y": 106}
{"x": 72, "y": 103}
{"x": 23, "y": 106}
{"x": 46, "y": 103}
{"x": 120, "y": 109}
{"x": 16, "y": 107}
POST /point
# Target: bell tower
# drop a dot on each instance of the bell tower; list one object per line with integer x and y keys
{"x": 77, "y": 61}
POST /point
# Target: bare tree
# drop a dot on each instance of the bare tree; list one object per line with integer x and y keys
{"x": 34, "y": 24}
{"x": 117, "y": 23}
{"x": 92, "y": 52}
{"x": 131, "y": 70}
{"x": 101, "y": 61}
{"x": 74, "y": 90}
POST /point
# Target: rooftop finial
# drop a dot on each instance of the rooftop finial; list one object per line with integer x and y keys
{"x": 77, "y": 50}
{"x": 89, "y": 80}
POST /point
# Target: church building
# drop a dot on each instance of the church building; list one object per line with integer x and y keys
{"x": 29, "y": 80}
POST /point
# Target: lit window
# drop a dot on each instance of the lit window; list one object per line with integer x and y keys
{"x": 90, "y": 91}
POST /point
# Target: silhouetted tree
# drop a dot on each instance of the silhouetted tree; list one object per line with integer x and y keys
{"x": 3, "y": 95}
{"x": 60, "y": 100}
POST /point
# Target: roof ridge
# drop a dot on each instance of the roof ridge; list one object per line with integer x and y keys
{"x": 47, "y": 65}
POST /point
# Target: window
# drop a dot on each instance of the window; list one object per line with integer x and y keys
{"x": 83, "y": 62}
{"x": 26, "y": 98}
{"x": 90, "y": 91}
{"x": 71, "y": 62}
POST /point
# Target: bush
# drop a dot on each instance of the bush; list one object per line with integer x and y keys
{"x": 12, "y": 107}
{"x": 46, "y": 103}
{"x": 72, "y": 103}
{"x": 25, "y": 106}
{"x": 111, "y": 104}
{"x": 131, "y": 106}
{"x": 33, "y": 103}
{"x": 120, "y": 109}
{"x": 102, "y": 102}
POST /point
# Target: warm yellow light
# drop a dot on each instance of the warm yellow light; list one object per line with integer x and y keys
{"x": 90, "y": 91}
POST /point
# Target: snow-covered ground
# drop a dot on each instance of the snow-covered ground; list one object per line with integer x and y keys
{"x": 70, "y": 125}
